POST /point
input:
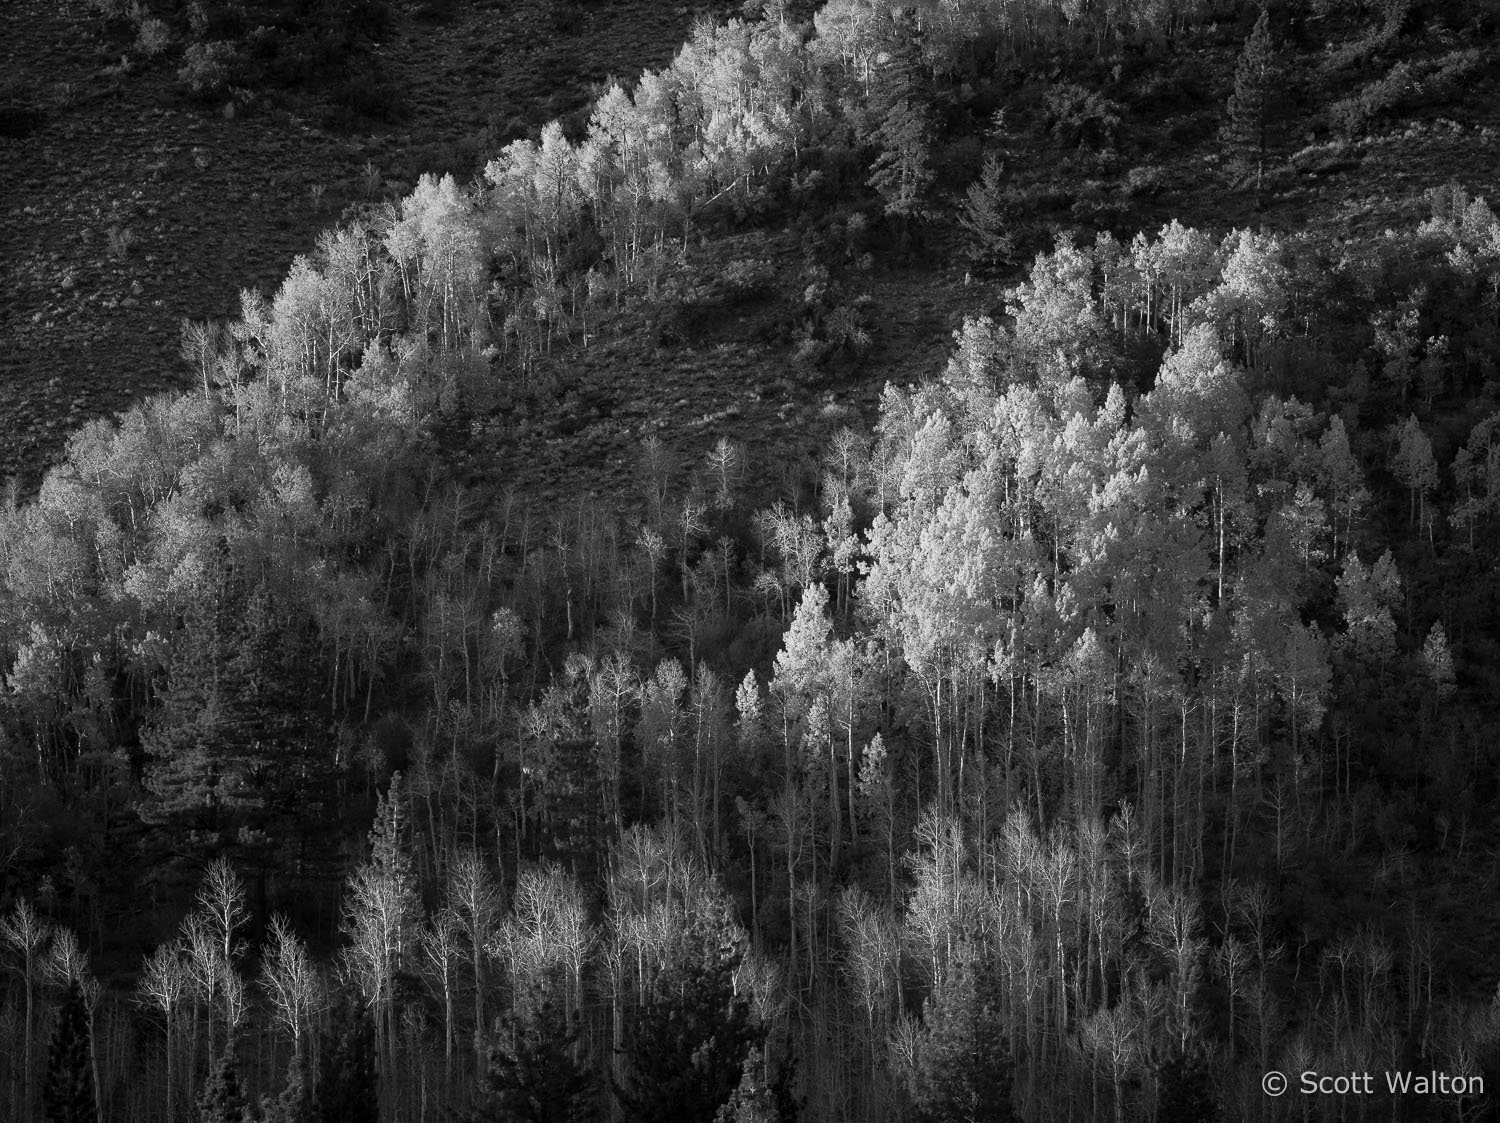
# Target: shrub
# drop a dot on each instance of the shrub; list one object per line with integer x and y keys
{"x": 1080, "y": 116}
{"x": 1353, "y": 115}
{"x": 120, "y": 239}
{"x": 747, "y": 279}
{"x": 153, "y": 38}
{"x": 369, "y": 95}
{"x": 207, "y": 68}
{"x": 18, "y": 121}
{"x": 1147, "y": 180}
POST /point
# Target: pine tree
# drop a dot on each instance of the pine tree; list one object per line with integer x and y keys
{"x": 233, "y": 747}
{"x": 295, "y": 1104}
{"x": 687, "y": 1047}
{"x": 899, "y": 110}
{"x": 964, "y": 1067}
{"x": 1185, "y": 1092}
{"x": 223, "y": 1099}
{"x": 758, "y": 1100}
{"x": 1246, "y": 131}
{"x": 1438, "y": 662}
{"x": 348, "y": 1088}
{"x": 68, "y": 1096}
{"x": 193, "y": 745}
{"x": 991, "y": 243}
{"x": 534, "y": 1074}
{"x": 902, "y": 171}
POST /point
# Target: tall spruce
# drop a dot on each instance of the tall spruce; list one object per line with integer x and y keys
{"x": 1246, "y": 131}
{"x": 295, "y": 1104}
{"x": 348, "y": 1088}
{"x": 686, "y": 1048}
{"x": 234, "y": 748}
{"x": 223, "y": 1097}
{"x": 534, "y": 1074}
{"x": 903, "y": 127}
{"x": 983, "y": 217}
{"x": 963, "y": 1072}
{"x": 68, "y": 1095}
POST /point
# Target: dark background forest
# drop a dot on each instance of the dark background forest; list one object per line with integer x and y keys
{"x": 919, "y": 563}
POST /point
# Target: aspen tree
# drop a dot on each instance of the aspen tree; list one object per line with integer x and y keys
{"x": 1112, "y": 1038}
{"x": 163, "y": 984}
{"x": 1413, "y": 464}
{"x": 474, "y": 894}
{"x": 871, "y": 960}
{"x": 292, "y": 983}
{"x": 27, "y": 936}
{"x": 1476, "y": 471}
{"x": 380, "y": 914}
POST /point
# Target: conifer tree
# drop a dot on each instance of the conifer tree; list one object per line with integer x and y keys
{"x": 348, "y": 1088}
{"x": 295, "y": 1104}
{"x": 534, "y": 1074}
{"x": 963, "y": 1071}
{"x": 688, "y": 1043}
{"x": 759, "y": 1100}
{"x": 233, "y": 747}
{"x": 902, "y": 122}
{"x": 1246, "y": 134}
{"x": 1185, "y": 1092}
{"x": 223, "y": 1099}
{"x": 902, "y": 173}
{"x": 68, "y": 1096}
{"x": 990, "y": 240}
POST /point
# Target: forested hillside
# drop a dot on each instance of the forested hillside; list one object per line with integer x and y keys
{"x": 472, "y": 700}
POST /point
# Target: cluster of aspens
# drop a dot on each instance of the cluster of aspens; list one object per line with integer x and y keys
{"x": 1074, "y": 621}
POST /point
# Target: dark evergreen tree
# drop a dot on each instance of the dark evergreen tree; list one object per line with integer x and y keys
{"x": 348, "y": 1088}
{"x": 964, "y": 1070}
{"x": 295, "y": 1104}
{"x": 235, "y": 747}
{"x": 534, "y": 1074}
{"x": 686, "y": 1047}
{"x": 900, "y": 110}
{"x": 759, "y": 1100}
{"x": 1185, "y": 1092}
{"x": 68, "y": 1096}
{"x": 1246, "y": 132}
{"x": 194, "y": 749}
{"x": 223, "y": 1099}
{"x": 902, "y": 171}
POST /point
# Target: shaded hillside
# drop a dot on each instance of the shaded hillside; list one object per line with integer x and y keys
{"x": 132, "y": 205}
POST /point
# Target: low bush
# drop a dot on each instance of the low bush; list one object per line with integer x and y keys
{"x": 1146, "y": 180}
{"x": 1080, "y": 116}
{"x": 747, "y": 279}
{"x": 1353, "y": 115}
{"x": 153, "y": 38}
{"x": 208, "y": 68}
{"x": 370, "y": 95}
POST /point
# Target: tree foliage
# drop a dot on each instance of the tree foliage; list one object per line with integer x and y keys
{"x": 68, "y": 1095}
{"x": 1246, "y": 131}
